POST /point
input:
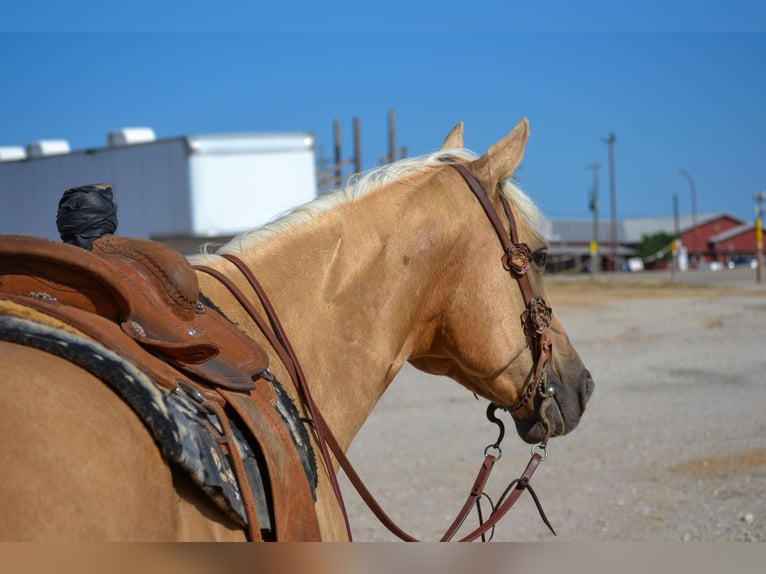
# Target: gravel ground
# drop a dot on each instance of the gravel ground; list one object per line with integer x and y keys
{"x": 672, "y": 446}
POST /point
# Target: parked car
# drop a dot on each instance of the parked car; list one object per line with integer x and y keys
{"x": 751, "y": 262}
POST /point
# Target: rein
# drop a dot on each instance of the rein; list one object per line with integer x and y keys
{"x": 536, "y": 319}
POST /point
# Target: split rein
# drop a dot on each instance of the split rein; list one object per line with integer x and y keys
{"x": 536, "y": 319}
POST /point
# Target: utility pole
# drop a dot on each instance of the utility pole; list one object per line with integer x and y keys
{"x": 759, "y": 196}
{"x": 391, "y": 136}
{"x": 675, "y": 266}
{"x": 613, "y": 198}
{"x": 693, "y": 188}
{"x": 357, "y": 145}
{"x": 338, "y": 153}
{"x": 595, "y": 260}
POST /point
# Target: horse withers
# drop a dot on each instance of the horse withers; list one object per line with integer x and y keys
{"x": 402, "y": 265}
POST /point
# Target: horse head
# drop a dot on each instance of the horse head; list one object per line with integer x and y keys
{"x": 497, "y": 334}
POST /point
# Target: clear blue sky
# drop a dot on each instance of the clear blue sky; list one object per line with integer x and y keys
{"x": 681, "y": 84}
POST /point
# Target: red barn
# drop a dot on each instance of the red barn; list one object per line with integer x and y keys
{"x": 697, "y": 240}
{"x": 734, "y": 244}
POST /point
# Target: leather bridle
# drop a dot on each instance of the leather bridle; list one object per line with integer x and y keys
{"x": 536, "y": 319}
{"x": 516, "y": 259}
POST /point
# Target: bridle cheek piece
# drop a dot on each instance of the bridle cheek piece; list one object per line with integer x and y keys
{"x": 536, "y": 318}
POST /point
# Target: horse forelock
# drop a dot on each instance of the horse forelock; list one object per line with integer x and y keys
{"x": 363, "y": 184}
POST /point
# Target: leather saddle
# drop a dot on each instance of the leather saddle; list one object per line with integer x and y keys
{"x": 149, "y": 289}
{"x": 141, "y": 299}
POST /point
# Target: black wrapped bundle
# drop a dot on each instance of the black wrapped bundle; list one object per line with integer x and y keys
{"x": 85, "y": 213}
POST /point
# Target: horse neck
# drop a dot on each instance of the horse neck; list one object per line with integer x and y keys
{"x": 354, "y": 290}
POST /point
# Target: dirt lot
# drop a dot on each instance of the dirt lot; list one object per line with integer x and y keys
{"x": 671, "y": 448}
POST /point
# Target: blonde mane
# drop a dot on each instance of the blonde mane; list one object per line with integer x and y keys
{"x": 363, "y": 184}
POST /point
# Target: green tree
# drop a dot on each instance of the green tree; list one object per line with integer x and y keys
{"x": 655, "y": 243}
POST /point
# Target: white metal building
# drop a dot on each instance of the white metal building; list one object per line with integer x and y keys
{"x": 187, "y": 186}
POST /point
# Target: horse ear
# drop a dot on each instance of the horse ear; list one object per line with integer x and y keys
{"x": 454, "y": 138}
{"x": 502, "y": 159}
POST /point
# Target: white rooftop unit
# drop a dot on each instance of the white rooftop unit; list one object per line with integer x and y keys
{"x": 187, "y": 186}
{"x": 43, "y": 148}
{"x": 130, "y": 136}
{"x": 12, "y": 153}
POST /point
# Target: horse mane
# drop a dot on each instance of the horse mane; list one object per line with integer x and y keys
{"x": 360, "y": 185}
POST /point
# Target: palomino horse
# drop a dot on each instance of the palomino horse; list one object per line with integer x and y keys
{"x": 402, "y": 266}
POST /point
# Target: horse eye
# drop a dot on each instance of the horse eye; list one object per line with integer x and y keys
{"x": 540, "y": 258}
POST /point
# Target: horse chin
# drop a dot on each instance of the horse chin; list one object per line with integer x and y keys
{"x": 549, "y": 424}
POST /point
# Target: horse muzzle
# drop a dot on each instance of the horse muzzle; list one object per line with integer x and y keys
{"x": 558, "y": 413}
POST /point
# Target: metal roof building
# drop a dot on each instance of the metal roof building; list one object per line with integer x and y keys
{"x": 570, "y": 239}
{"x": 192, "y": 186}
{"x": 630, "y": 231}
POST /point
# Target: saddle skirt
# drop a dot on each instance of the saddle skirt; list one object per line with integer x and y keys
{"x": 140, "y": 301}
